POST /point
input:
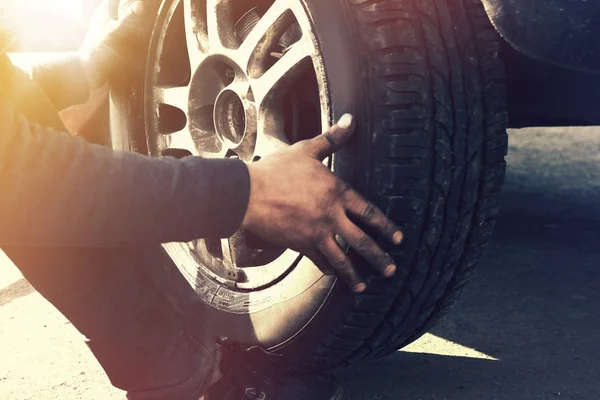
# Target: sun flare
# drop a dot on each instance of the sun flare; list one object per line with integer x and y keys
{"x": 42, "y": 24}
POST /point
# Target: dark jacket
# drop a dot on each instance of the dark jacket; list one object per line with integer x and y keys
{"x": 58, "y": 190}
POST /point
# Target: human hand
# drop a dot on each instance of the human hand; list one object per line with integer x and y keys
{"x": 114, "y": 47}
{"x": 297, "y": 202}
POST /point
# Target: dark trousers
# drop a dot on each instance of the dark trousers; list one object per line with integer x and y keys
{"x": 142, "y": 319}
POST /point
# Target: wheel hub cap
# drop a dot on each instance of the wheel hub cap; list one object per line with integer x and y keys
{"x": 235, "y": 120}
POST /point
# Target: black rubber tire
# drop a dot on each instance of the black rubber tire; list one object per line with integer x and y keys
{"x": 435, "y": 102}
{"x": 430, "y": 98}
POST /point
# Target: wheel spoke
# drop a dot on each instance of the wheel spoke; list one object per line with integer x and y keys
{"x": 233, "y": 249}
{"x": 265, "y": 34}
{"x": 236, "y": 252}
{"x": 220, "y": 25}
{"x": 183, "y": 140}
{"x": 283, "y": 72}
{"x": 228, "y": 256}
{"x": 176, "y": 96}
{"x": 267, "y": 143}
{"x": 195, "y": 32}
{"x": 270, "y": 136}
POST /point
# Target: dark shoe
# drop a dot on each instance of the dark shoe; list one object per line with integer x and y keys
{"x": 244, "y": 379}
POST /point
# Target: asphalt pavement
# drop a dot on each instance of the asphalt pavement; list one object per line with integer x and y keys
{"x": 528, "y": 325}
{"x": 532, "y": 312}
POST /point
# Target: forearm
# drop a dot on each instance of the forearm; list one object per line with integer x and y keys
{"x": 61, "y": 191}
{"x": 63, "y": 79}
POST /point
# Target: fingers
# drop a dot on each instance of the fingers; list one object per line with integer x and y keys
{"x": 370, "y": 215}
{"x": 321, "y": 262}
{"x": 341, "y": 264}
{"x": 136, "y": 7}
{"x": 129, "y": 23}
{"x": 139, "y": 8}
{"x": 135, "y": 20}
{"x": 331, "y": 141}
{"x": 360, "y": 242}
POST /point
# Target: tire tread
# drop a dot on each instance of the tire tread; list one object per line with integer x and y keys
{"x": 438, "y": 102}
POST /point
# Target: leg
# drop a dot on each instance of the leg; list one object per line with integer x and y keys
{"x": 128, "y": 303}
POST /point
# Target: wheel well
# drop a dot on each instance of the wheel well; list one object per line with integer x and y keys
{"x": 543, "y": 94}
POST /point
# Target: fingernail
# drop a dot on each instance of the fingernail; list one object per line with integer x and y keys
{"x": 398, "y": 237}
{"x": 346, "y": 121}
{"x": 389, "y": 271}
{"x": 361, "y": 287}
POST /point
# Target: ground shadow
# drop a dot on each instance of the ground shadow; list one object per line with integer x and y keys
{"x": 432, "y": 377}
{"x": 534, "y": 303}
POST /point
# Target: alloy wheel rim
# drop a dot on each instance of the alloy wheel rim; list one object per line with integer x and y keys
{"x": 239, "y": 72}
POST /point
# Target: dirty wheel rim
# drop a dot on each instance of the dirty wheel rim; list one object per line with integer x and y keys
{"x": 245, "y": 85}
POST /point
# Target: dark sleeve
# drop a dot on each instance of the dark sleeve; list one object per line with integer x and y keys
{"x": 58, "y": 190}
{"x": 63, "y": 79}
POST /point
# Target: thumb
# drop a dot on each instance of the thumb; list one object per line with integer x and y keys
{"x": 331, "y": 141}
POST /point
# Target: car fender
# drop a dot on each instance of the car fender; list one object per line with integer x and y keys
{"x": 562, "y": 32}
